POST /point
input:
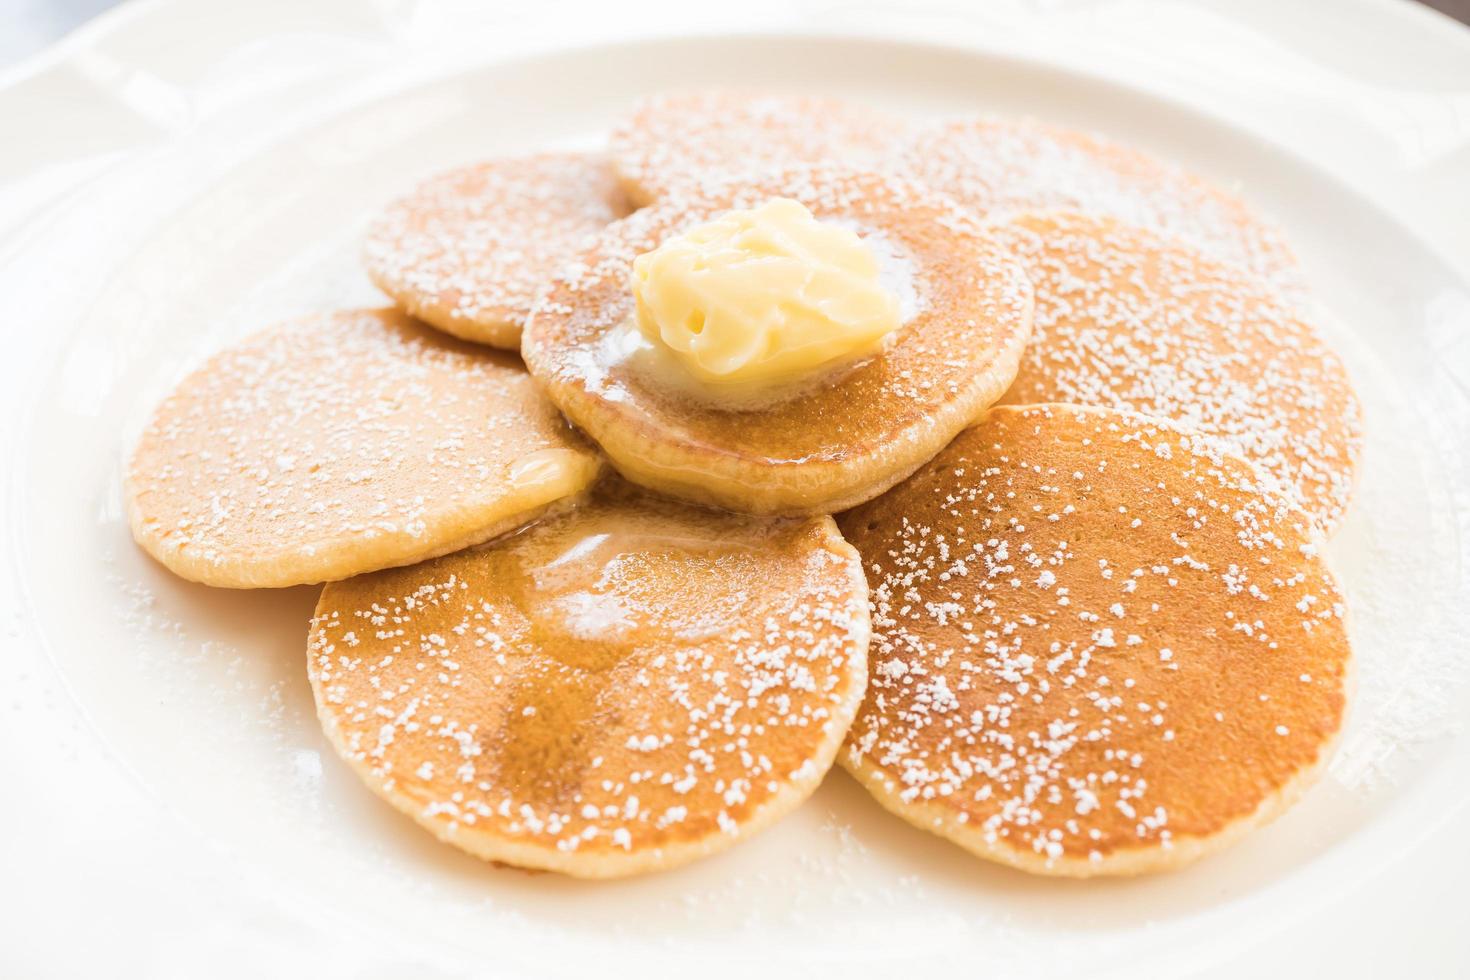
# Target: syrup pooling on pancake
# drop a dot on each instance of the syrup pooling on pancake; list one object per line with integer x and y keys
{"x": 624, "y": 687}
{"x": 1099, "y": 645}
{"x": 468, "y": 250}
{"x": 1002, "y": 166}
{"x": 336, "y": 444}
{"x": 681, "y": 139}
{"x": 1129, "y": 320}
{"x": 836, "y": 438}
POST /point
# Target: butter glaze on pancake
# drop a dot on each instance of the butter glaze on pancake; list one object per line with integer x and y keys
{"x": 1099, "y": 646}
{"x": 685, "y": 138}
{"x": 336, "y": 444}
{"x": 846, "y": 438}
{"x": 625, "y": 687}
{"x": 1128, "y": 320}
{"x": 1002, "y": 166}
{"x": 467, "y": 250}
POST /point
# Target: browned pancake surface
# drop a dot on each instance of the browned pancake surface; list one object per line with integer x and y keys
{"x": 1098, "y": 645}
{"x": 836, "y": 444}
{"x": 624, "y": 687}
{"x": 468, "y": 250}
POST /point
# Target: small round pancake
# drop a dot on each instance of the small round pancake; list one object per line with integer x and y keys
{"x": 845, "y": 437}
{"x": 684, "y": 138}
{"x": 1100, "y": 646}
{"x": 625, "y": 687}
{"x": 468, "y": 250}
{"x": 341, "y": 443}
{"x": 1002, "y": 166}
{"x": 1127, "y": 319}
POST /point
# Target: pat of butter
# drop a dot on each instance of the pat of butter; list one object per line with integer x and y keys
{"x": 763, "y": 297}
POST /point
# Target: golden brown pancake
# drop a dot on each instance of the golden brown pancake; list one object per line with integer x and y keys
{"x": 1100, "y": 644}
{"x": 686, "y": 138}
{"x": 841, "y": 440}
{"x": 467, "y": 250}
{"x": 625, "y": 687}
{"x": 1001, "y": 166}
{"x": 337, "y": 444}
{"x": 1129, "y": 320}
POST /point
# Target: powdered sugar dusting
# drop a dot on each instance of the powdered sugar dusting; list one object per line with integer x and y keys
{"x": 326, "y": 437}
{"x": 1002, "y": 166}
{"x": 677, "y": 139}
{"x": 469, "y": 249}
{"x": 1125, "y": 319}
{"x": 672, "y": 707}
{"x": 1072, "y": 612}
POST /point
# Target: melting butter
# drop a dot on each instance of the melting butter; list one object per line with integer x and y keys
{"x": 763, "y": 297}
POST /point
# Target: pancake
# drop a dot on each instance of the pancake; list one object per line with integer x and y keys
{"x": 337, "y": 444}
{"x": 1100, "y": 644}
{"x": 847, "y": 436}
{"x": 626, "y": 687}
{"x": 683, "y": 138}
{"x": 466, "y": 251}
{"x": 1129, "y": 320}
{"x": 1001, "y": 166}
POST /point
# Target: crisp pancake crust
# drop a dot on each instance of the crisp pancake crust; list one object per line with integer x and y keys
{"x": 336, "y": 444}
{"x": 467, "y": 250}
{"x": 837, "y": 443}
{"x": 625, "y": 687}
{"x": 679, "y": 139}
{"x": 1100, "y": 646}
{"x": 1002, "y": 166}
{"x": 1126, "y": 319}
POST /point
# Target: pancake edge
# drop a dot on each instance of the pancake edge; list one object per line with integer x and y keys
{"x": 344, "y": 558}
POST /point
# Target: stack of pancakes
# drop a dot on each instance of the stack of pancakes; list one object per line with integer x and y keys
{"x": 1071, "y": 612}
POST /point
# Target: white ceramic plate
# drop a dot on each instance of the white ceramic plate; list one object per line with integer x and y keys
{"x": 201, "y": 695}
